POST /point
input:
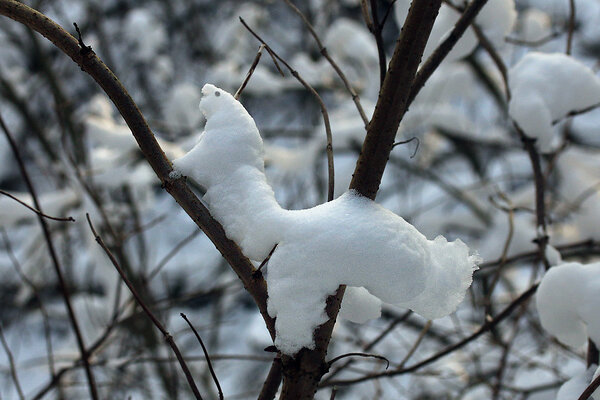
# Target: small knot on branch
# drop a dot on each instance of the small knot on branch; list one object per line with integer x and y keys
{"x": 85, "y": 50}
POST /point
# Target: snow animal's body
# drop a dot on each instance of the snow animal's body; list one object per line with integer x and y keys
{"x": 350, "y": 240}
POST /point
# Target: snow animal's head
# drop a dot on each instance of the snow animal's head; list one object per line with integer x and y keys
{"x": 230, "y": 140}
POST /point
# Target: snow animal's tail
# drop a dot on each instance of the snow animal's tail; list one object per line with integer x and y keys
{"x": 448, "y": 278}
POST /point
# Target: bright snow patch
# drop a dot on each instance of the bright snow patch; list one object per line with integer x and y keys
{"x": 350, "y": 240}
{"x": 545, "y": 88}
{"x": 567, "y": 300}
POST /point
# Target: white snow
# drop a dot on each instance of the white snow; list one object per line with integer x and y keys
{"x": 567, "y": 301}
{"x": 350, "y": 240}
{"x": 545, "y": 88}
{"x": 359, "y": 305}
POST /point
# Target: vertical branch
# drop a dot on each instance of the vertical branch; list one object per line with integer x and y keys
{"x": 393, "y": 97}
{"x": 55, "y": 262}
{"x": 11, "y": 363}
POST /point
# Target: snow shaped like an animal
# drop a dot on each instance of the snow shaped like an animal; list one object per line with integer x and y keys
{"x": 351, "y": 240}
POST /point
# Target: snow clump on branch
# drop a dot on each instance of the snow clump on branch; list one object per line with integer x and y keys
{"x": 546, "y": 88}
{"x": 349, "y": 241}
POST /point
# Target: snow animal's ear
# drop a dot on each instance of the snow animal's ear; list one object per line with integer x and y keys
{"x": 214, "y": 99}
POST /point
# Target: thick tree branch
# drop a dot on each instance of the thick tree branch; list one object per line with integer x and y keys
{"x": 393, "y": 97}
{"x": 90, "y": 63}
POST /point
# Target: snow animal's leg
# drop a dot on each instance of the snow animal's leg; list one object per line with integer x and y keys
{"x": 298, "y": 289}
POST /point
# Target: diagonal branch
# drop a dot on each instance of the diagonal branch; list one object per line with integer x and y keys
{"x": 176, "y": 187}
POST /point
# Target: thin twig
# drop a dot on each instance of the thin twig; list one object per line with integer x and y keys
{"x": 371, "y": 344}
{"x": 540, "y": 187}
{"x": 168, "y": 338}
{"x": 38, "y": 212}
{"x": 377, "y": 29}
{"x": 333, "y": 393}
{"x": 533, "y": 43}
{"x": 576, "y": 112}
{"x": 416, "y": 344}
{"x": 510, "y": 210}
{"x": 408, "y": 141}
{"x": 36, "y": 293}
{"x": 11, "y": 363}
{"x": 491, "y": 50}
{"x": 590, "y": 389}
{"x": 238, "y": 92}
{"x": 364, "y": 8}
{"x": 367, "y": 355}
{"x": 55, "y": 262}
{"x": 488, "y": 325}
{"x": 177, "y": 188}
{"x": 338, "y": 70}
{"x": 329, "y": 148}
{"x": 266, "y": 260}
{"x": 571, "y": 27}
{"x": 172, "y": 253}
{"x": 208, "y": 362}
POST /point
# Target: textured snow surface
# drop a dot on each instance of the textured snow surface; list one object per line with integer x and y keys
{"x": 350, "y": 240}
{"x": 567, "y": 302}
{"x": 545, "y": 88}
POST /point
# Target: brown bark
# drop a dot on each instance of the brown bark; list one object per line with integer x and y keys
{"x": 90, "y": 63}
{"x": 393, "y": 97}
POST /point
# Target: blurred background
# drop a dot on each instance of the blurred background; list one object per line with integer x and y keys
{"x": 460, "y": 171}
